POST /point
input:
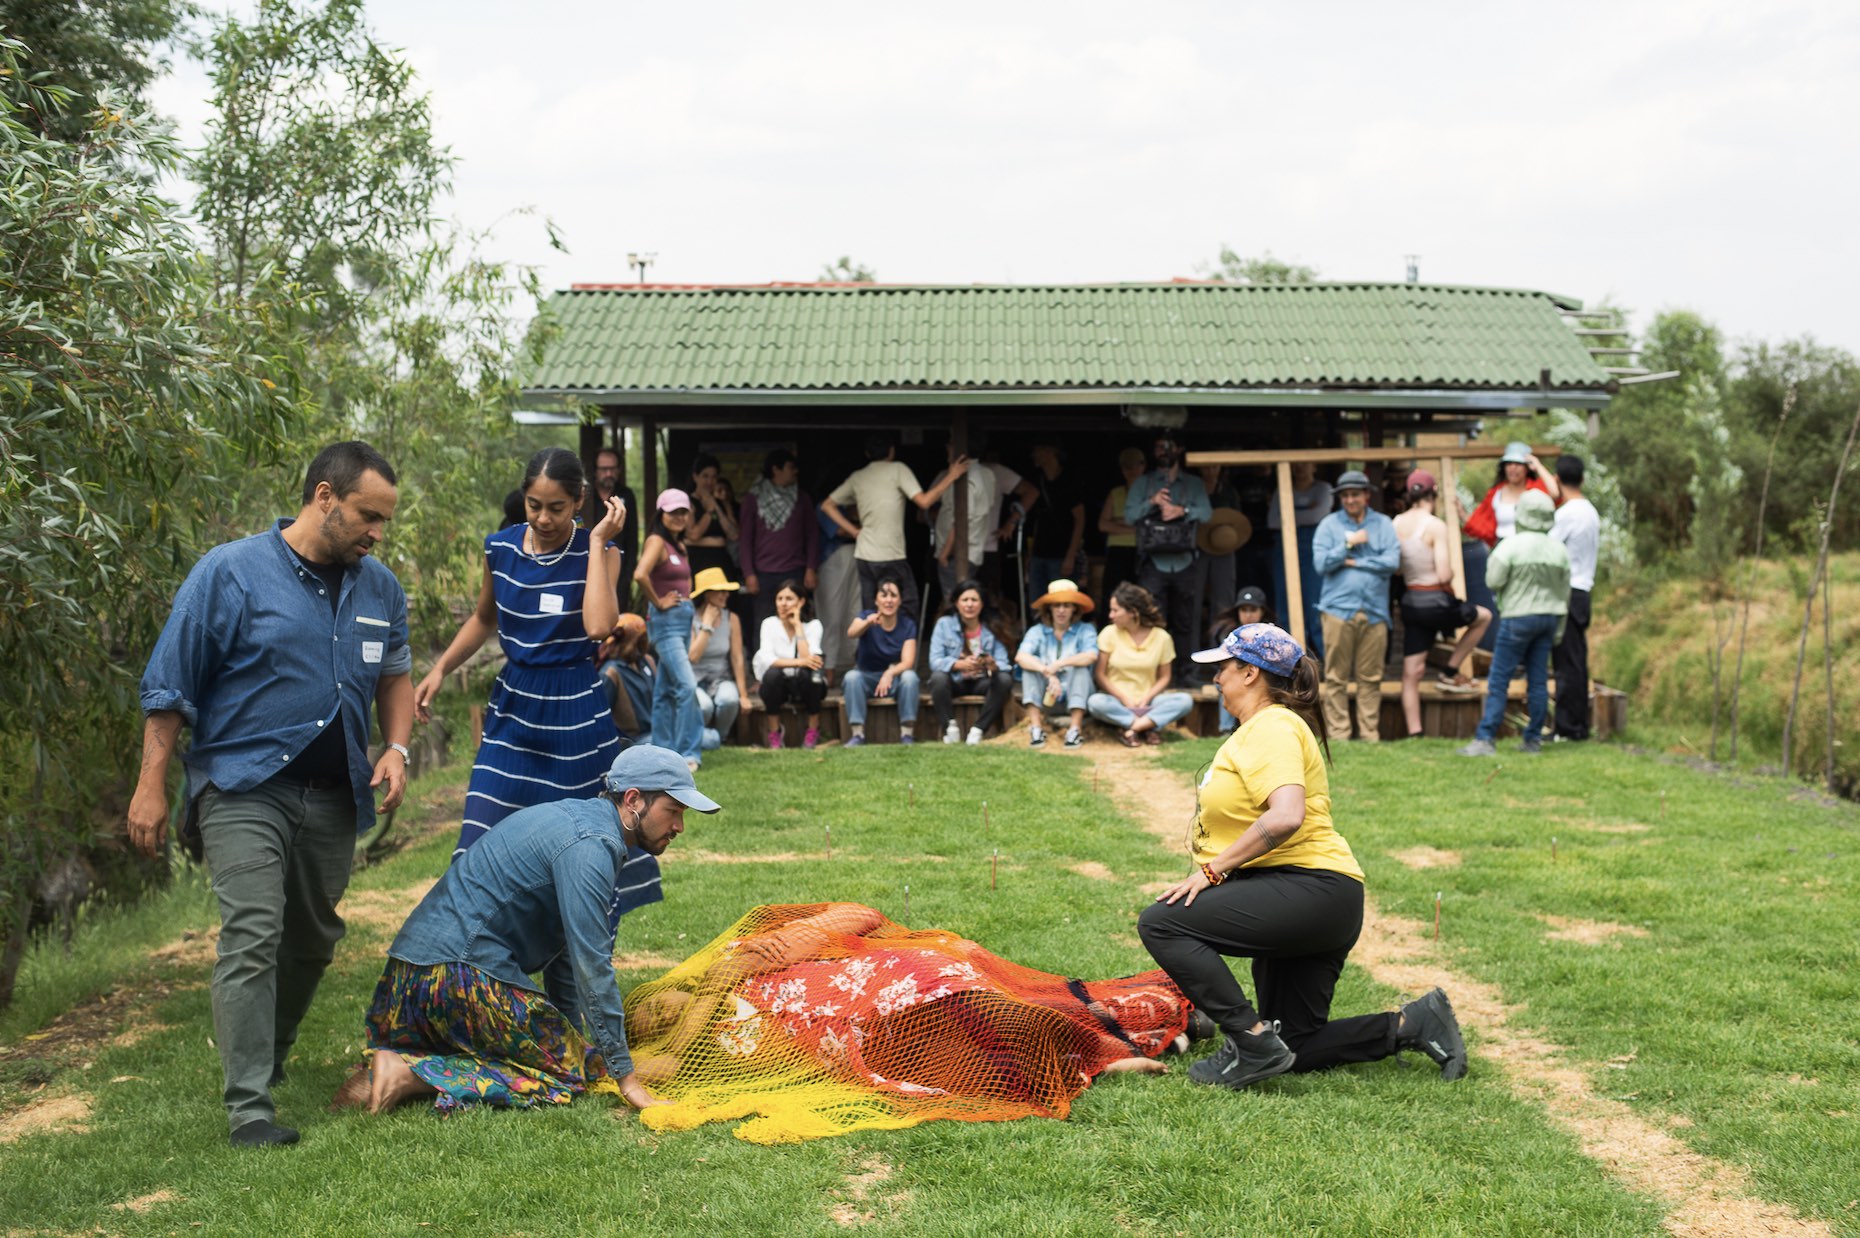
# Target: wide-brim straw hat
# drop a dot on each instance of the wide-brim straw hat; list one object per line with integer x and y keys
{"x": 1224, "y": 532}
{"x": 1065, "y": 591}
{"x": 712, "y": 578}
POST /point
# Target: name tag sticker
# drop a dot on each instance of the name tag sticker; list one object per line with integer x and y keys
{"x": 551, "y": 603}
{"x": 373, "y": 649}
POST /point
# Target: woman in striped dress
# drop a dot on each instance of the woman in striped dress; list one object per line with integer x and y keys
{"x": 547, "y": 734}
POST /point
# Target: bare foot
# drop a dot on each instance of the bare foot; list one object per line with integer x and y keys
{"x": 354, "y": 1090}
{"x": 393, "y": 1083}
{"x": 1135, "y": 1066}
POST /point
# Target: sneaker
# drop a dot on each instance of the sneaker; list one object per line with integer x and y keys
{"x": 1531, "y": 747}
{"x": 263, "y": 1133}
{"x": 975, "y": 735}
{"x": 952, "y": 734}
{"x": 1074, "y": 737}
{"x": 907, "y": 738}
{"x": 775, "y": 739}
{"x": 1429, "y": 1026}
{"x": 1036, "y": 738}
{"x": 1479, "y": 748}
{"x": 1245, "y": 1059}
{"x": 1456, "y": 683}
{"x": 811, "y": 738}
{"x": 855, "y": 741}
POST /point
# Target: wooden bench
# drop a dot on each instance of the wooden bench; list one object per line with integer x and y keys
{"x": 752, "y": 724}
{"x": 881, "y": 718}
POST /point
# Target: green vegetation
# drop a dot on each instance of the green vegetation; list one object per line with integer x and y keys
{"x": 1732, "y": 1014}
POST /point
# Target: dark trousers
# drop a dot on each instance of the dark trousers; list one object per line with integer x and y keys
{"x": 1571, "y": 661}
{"x": 869, "y": 572}
{"x": 790, "y": 685}
{"x": 995, "y": 688}
{"x": 1176, "y": 595}
{"x": 762, "y": 603}
{"x": 1297, "y": 925}
{"x": 1120, "y": 564}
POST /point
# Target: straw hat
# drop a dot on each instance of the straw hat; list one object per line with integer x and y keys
{"x": 1064, "y": 591}
{"x": 712, "y": 578}
{"x": 1224, "y": 532}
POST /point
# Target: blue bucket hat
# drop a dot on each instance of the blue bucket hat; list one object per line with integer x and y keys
{"x": 650, "y": 768}
{"x": 1265, "y": 645}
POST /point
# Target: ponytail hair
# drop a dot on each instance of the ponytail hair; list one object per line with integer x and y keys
{"x": 1298, "y": 692}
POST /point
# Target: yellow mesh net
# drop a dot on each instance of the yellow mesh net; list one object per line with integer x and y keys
{"x": 819, "y": 1019}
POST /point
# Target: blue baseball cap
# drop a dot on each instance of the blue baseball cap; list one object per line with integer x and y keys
{"x": 650, "y": 768}
{"x": 1265, "y": 645}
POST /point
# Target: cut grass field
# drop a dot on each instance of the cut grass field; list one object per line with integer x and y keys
{"x": 1691, "y": 969}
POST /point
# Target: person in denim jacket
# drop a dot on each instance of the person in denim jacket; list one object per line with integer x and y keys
{"x": 1058, "y": 654}
{"x": 968, "y": 657}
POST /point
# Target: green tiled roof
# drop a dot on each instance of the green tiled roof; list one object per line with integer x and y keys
{"x": 785, "y": 338}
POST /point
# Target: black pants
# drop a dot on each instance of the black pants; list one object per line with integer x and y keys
{"x": 869, "y": 572}
{"x": 790, "y": 685}
{"x": 1176, "y": 594}
{"x": 995, "y": 688}
{"x": 1570, "y": 661}
{"x": 1297, "y": 925}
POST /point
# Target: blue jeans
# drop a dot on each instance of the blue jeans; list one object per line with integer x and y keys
{"x": 857, "y": 688}
{"x": 718, "y": 703}
{"x": 1075, "y": 680}
{"x": 1526, "y": 639}
{"x": 1165, "y": 707}
{"x": 676, "y": 723}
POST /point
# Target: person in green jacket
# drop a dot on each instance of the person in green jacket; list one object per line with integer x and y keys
{"x": 1529, "y": 575}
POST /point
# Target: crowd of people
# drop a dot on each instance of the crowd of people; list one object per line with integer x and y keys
{"x": 586, "y": 763}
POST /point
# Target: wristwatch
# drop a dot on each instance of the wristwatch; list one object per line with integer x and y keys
{"x": 707, "y": 627}
{"x": 402, "y": 749}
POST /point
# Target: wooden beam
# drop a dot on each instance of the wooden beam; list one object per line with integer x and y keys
{"x": 1449, "y": 507}
{"x": 1288, "y": 544}
{"x": 959, "y": 495}
{"x": 1349, "y": 455}
{"x": 649, "y": 470}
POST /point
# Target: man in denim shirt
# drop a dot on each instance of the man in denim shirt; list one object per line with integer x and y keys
{"x": 1356, "y": 551}
{"x": 1172, "y": 493}
{"x": 273, "y": 652}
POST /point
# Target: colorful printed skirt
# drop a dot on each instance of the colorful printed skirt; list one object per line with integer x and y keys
{"x": 478, "y": 1040}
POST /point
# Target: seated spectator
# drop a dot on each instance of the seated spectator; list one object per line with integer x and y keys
{"x": 968, "y": 657}
{"x": 1058, "y": 653}
{"x": 1250, "y": 606}
{"x": 717, "y": 655}
{"x": 627, "y": 672}
{"x": 789, "y": 664}
{"x": 883, "y": 662}
{"x": 1135, "y": 663}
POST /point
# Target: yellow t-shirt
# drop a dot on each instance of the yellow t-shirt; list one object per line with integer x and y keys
{"x": 1116, "y": 503}
{"x": 1272, "y": 749}
{"x": 1133, "y": 670}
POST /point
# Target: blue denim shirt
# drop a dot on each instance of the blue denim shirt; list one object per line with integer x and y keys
{"x": 1046, "y": 646}
{"x": 1187, "y": 491}
{"x": 533, "y": 896}
{"x": 252, "y": 659}
{"x": 1364, "y": 587}
{"x": 946, "y": 645}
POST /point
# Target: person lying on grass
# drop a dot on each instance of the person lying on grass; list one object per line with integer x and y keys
{"x": 1274, "y": 882}
{"x": 831, "y": 1005}
{"x": 455, "y": 1015}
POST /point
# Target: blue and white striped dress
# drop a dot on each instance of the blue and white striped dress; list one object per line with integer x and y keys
{"x": 548, "y": 734}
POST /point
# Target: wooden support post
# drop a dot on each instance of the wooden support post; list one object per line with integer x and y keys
{"x": 589, "y": 446}
{"x": 1449, "y": 511}
{"x": 1288, "y": 539}
{"x": 649, "y": 448}
{"x": 964, "y": 556}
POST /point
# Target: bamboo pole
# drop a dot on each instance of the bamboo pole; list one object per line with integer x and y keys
{"x": 1814, "y": 586}
{"x": 1288, "y": 545}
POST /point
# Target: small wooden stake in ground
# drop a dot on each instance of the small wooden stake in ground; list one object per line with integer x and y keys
{"x": 993, "y": 866}
{"x": 907, "y": 900}
{"x": 984, "y": 816}
{"x": 913, "y": 787}
{"x": 829, "y": 842}
{"x": 1553, "y": 848}
{"x": 1436, "y": 915}
{"x": 1489, "y": 777}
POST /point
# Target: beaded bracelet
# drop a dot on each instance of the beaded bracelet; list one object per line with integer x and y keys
{"x": 1214, "y": 878}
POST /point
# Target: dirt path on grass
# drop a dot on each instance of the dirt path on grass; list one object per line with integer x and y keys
{"x": 1703, "y": 1196}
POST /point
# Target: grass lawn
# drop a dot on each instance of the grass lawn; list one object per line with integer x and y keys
{"x": 1731, "y": 1021}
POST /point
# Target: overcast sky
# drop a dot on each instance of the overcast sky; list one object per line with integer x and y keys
{"x": 1692, "y": 155}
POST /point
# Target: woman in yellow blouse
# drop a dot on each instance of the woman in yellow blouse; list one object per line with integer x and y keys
{"x": 1275, "y": 883}
{"x": 1135, "y": 652}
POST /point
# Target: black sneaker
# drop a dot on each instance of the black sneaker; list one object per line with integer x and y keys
{"x": 263, "y": 1133}
{"x": 1428, "y": 1026}
{"x": 1245, "y": 1059}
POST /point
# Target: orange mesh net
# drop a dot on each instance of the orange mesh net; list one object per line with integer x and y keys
{"x": 819, "y": 1019}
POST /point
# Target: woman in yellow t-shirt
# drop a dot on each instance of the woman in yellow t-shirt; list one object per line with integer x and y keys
{"x": 1135, "y": 651}
{"x": 1275, "y": 883}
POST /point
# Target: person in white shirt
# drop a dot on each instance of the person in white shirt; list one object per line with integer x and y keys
{"x": 981, "y": 483}
{"x": 1579, "y": 527}
{"x": 880, "y": 491}
{"x": 788, "y": 663}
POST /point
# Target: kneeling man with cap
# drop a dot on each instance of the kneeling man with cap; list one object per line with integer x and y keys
{"x": 456, "y": 1015}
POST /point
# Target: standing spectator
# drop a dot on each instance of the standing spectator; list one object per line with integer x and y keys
{"x": 609, "y": 484}
{"x": 716, "y": 656}
{"x": 1219, "y": 540}
{"x": 968, "y": 657}
{"x": 1579, "y": 527}
{"x": 1058, "y": 517}
{"x": 1120, "y": 535}
{"x": 1429, "y": 610}
{"x": 837, "y": 599}
{"x": 547, "y": 596}
{"x": 779, "y": 536}
{"x": 664, "y": 573}
{"x": 1058, "y": 654}
{"x": 1495, "y": 516}
{"x": 883, "y": 665}
{"x": 1356, "y": 552}
{"x": 879, "y": 491}
{"x": 788, "y": 662}
{"x": 713, "y": 517}
{"x": 627, "y": 670}
{"x": 1311, "y": 503}
{"x": 1530, "y": 574}
{"x": 979, "y": 482}
{"x": 1135, "y": 664}
{"x": 1008, "y": 502}
{"x": 1169, "y": 495}
{"x": 242, "y": 661}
